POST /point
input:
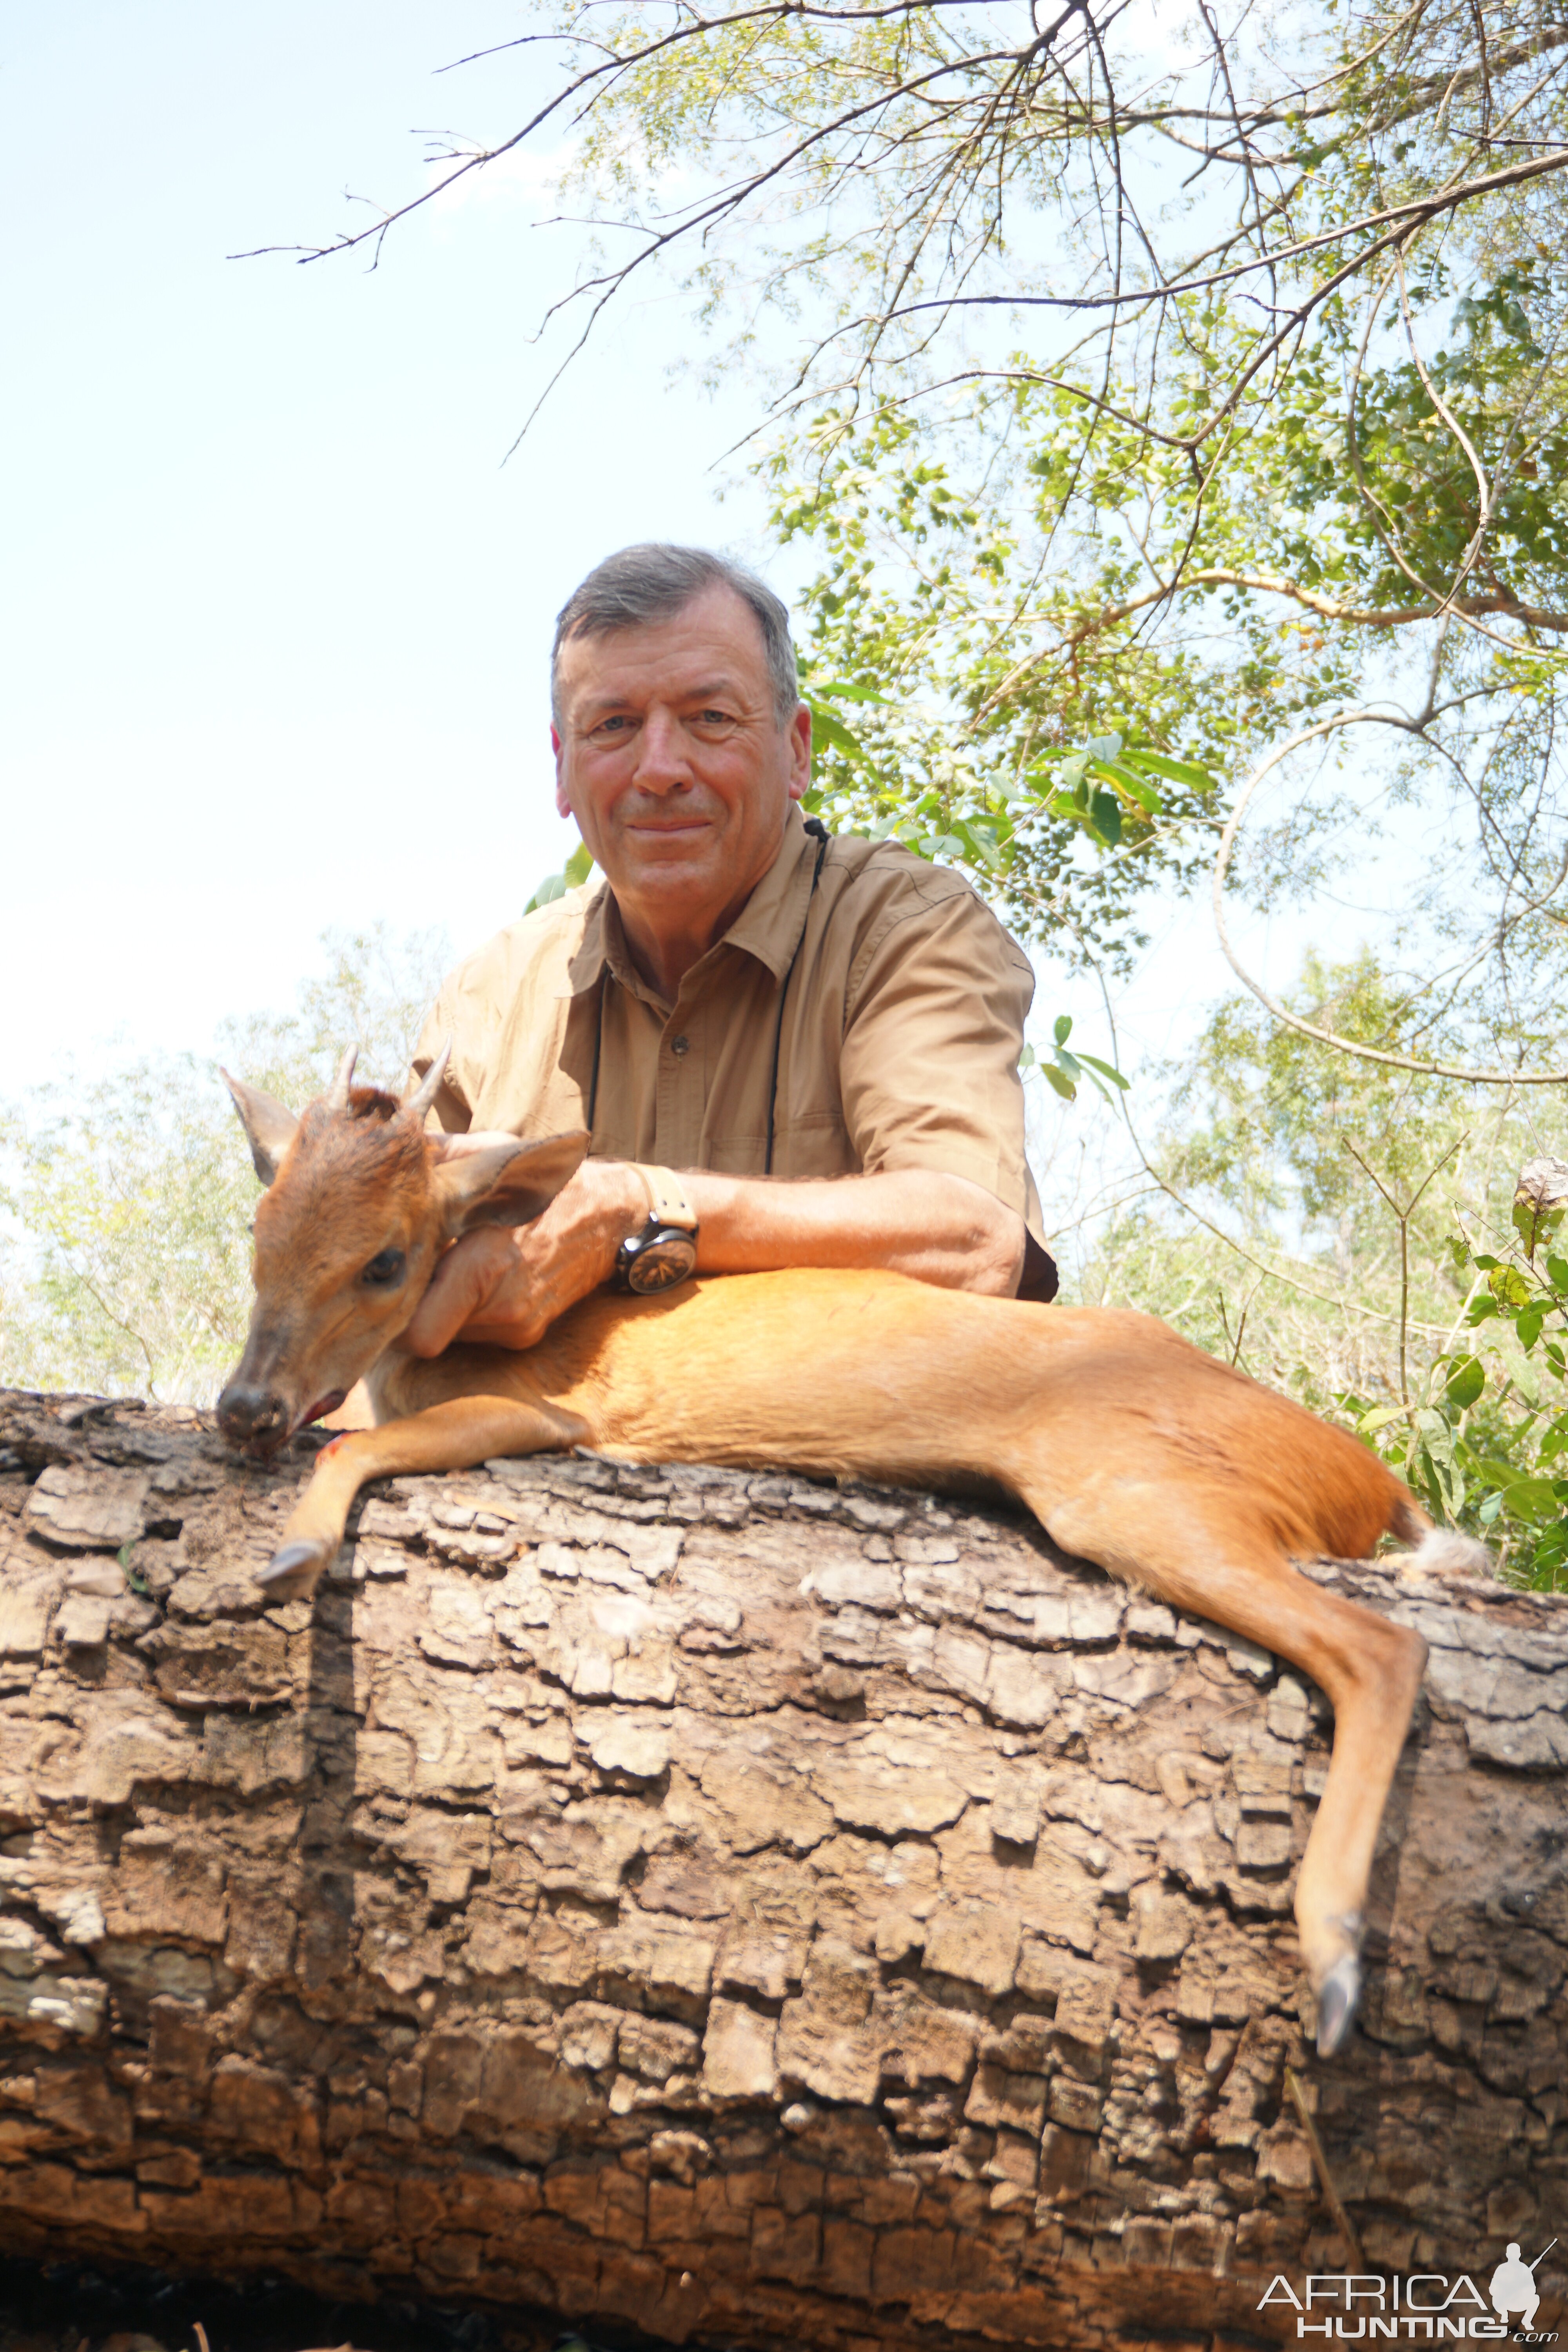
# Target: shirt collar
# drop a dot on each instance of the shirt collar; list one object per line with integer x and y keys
{"x": 769, "y": 926}
{"x": 602, "y": 942}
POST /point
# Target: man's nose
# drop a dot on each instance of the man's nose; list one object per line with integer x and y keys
{"x": 663, "y": 764}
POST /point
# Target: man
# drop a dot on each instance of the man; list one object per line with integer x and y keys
{"x": 820, "y": 1036}
{"x": 1513, "y": 2288}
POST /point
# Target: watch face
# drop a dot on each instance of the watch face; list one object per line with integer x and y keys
{"x": 661, "y": 1263}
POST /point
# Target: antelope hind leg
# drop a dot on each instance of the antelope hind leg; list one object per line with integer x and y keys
{"x": 450, "y": 1436}
{"x": 1211, "y": 1562}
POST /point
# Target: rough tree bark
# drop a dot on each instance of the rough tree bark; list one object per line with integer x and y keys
{"x": 760, "y": 1910}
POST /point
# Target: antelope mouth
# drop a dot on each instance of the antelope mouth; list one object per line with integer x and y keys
{"x": 262, "y": 1437}
{"x": 323, "y": 1405}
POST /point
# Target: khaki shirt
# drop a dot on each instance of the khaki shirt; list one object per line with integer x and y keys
{"x": 897, "y": 1037}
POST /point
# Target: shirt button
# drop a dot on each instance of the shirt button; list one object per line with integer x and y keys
{"x": 680, "y": 1045}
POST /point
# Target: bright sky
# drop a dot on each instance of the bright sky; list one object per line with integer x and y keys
{"x": 274, "y": 612}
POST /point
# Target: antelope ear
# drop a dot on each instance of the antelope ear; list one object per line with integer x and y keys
{"x": 499, "y": 1180}
{"x": 269, "y": 1127}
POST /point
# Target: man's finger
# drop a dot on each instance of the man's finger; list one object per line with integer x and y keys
{"x": 484, "y": 1333}
{"x": 463, "y": 1283}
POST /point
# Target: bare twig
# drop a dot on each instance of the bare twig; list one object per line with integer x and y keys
{"x": 1331, "y": 2197}
{"x": 1422, "y": 1066}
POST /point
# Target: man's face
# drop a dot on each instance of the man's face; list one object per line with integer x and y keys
{"x": 670, "y": 757}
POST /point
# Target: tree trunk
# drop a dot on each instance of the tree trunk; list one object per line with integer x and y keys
{"x": 758, "y": 1910}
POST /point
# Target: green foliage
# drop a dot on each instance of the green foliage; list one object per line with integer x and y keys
{"x": 130, "y": 1197}
{"x": 575, "y": 871}
{"x": 1064, "y": 1070}
{"x": 1062, "y": 805}
{"x": 896, "y": 773}
{"x": 1079, "y": 465}
{"x": 1310, "y": 1170}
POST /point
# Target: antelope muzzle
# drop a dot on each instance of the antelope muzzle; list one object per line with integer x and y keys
{"x": 253, "y": 1417}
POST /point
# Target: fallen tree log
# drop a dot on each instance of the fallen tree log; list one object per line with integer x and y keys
{"x": 750, "y": 1908}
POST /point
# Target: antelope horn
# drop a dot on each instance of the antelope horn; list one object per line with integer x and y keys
{"x": 338, "y": 1093}
{"x": 424, "y": 1092}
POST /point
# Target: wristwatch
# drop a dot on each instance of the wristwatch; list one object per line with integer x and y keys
{"x": 664, "y": 1251}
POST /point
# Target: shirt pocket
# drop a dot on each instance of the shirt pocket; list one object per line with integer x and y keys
{"x": 817, "y": 1144}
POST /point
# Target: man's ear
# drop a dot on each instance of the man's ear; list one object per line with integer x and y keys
{"x": 268, "y": 1127}
{"x": 499, "y": 1180}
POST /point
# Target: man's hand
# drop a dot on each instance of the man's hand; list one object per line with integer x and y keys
{"x": 503, "y": 1288}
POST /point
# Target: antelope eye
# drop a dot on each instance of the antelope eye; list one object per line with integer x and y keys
{"x": 384, "y": 1268}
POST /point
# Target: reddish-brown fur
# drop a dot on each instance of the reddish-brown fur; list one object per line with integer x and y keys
{"x": 1134, "y": 1448}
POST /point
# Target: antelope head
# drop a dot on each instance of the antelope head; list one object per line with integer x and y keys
{"x": 361, "y": 1201}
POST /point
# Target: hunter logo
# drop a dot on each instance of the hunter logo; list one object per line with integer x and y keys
{"x": 1427, "y": 2307}
{"x": 1514, "y": 2290}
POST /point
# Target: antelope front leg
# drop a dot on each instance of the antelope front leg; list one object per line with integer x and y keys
{"x": 450, "y": 1436}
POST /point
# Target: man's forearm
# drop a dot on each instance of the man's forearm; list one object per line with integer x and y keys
{"x": 940, "y": 1229}
{"x": 505, "y": 1288}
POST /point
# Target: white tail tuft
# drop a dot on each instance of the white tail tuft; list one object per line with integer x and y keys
{"x": 1443, "y": 1551}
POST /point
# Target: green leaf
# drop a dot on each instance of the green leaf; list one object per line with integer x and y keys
{"x": 1557, "y": 1273}
{"x": 1371, "y": 1423}
{"x": 979, "y": 843}
{"x": 1105, "y": 818}
{"x": 1107, "y": 1070}
{"x": 1432, "y": 1461}
{"x": 1532, "y": 1223}
{"x": 1527, "y": 1325}
{"x": 1537, "y": 1501}
{"x": 1061, "y": 1028}
{"x": 1467, "y": 1379}
{"x": 575, "y": 871}
{"x": 1176, "y": 771}
{"x": 1058, "y": 1079}
{"x": 1147, "y": 798}
{"x": 1510, "y": 1288}
{"x": 827, "y": 728}
{"x": 842, "y": 690}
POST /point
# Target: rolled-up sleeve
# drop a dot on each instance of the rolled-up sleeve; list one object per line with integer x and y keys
{"x": 935, "y": 1008}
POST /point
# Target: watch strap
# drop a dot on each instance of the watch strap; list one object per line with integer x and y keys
{"x": 667, "y": 1199}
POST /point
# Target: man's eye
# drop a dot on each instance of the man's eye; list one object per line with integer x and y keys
{"x": 384, "y": 1268}
{"x": 714, "y": 717}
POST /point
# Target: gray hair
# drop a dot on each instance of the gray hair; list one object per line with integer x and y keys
{"x": 651, "y": 581}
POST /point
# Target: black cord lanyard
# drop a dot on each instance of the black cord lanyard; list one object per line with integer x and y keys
{"x": 815, "y": 826}
{"x": 598, "y": 1049}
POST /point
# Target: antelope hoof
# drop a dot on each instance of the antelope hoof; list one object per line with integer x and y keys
{"x": 1338, "y": 1996}
{"x": 293, "y": 1572}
